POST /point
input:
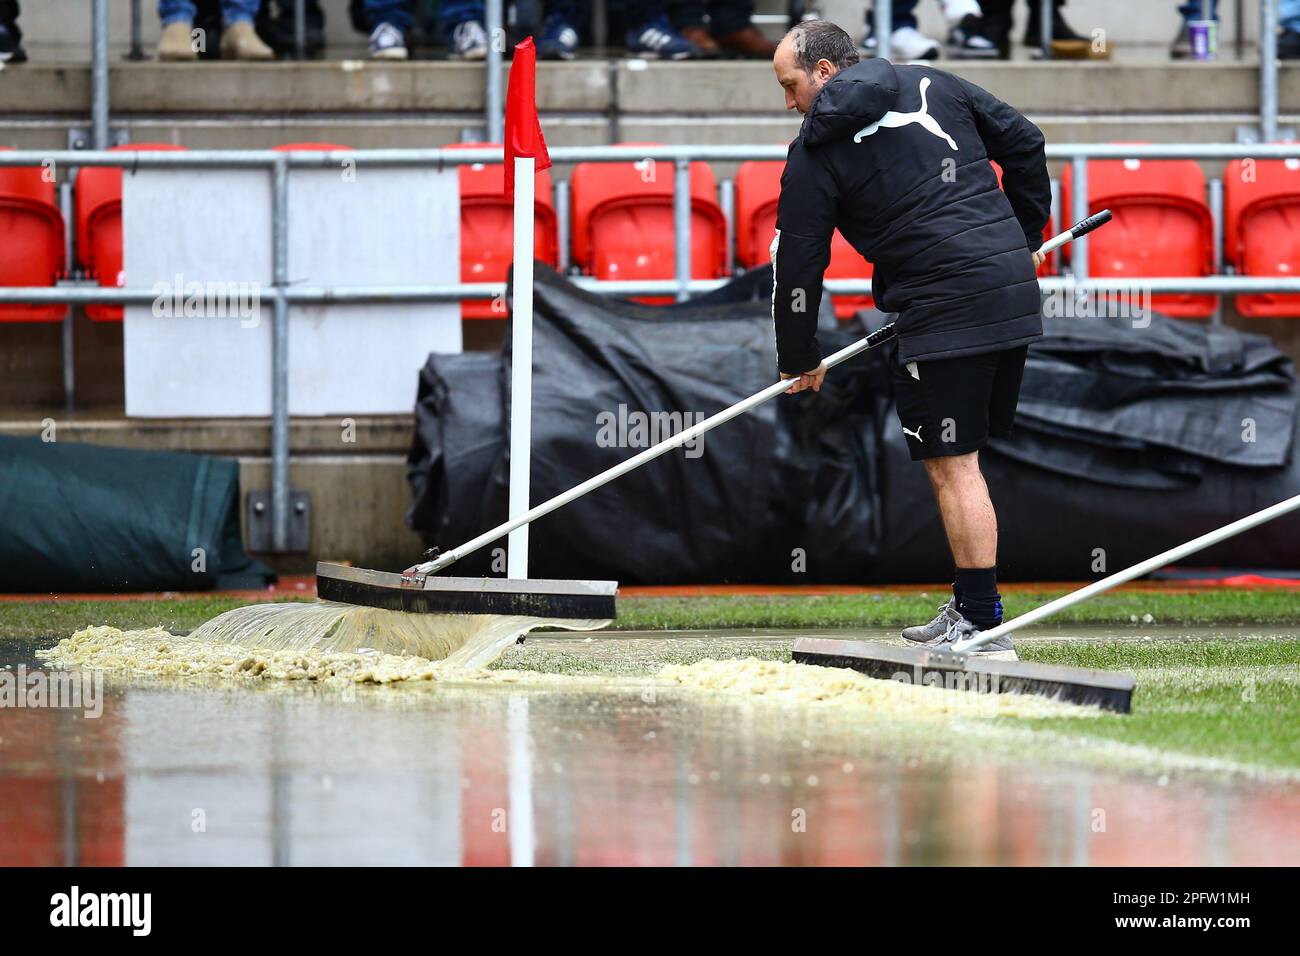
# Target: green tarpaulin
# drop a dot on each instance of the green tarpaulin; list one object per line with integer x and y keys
{"x": 79, "y": 517}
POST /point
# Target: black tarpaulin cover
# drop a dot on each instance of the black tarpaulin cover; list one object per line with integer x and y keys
{"x": 1129, "y": 441}
{"x": 77, "y": 517}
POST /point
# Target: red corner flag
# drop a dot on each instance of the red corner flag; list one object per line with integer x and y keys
{"x": 523, "y": 127}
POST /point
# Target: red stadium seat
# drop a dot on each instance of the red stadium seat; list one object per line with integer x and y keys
{"x": 1262, "y": 228}
{"x": 98, "y": 210}
{"x": 623, "y": 222}
{"x": 758, "y": 190}
{"x": 487, "y": 227}
{"x": 1162, "y": 226}
{"x": 32, "y": 231}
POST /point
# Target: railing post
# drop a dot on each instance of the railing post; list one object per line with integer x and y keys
{"x": 1045, "y": 11}
{"x": 562, "y": 223}
{"x": 727, "y": 200}
{"x": 300, "y": 29}
{"x": 1268, "y": 17}
{"x": 1216, "y": 218}
{"x": 69, "y": 250}
{"x": 137, "y": 46}
{"x": 1079, "y": 210}
{"x": 884, "y": 26}
{"x": 99, "y": 75}
{"x": 280, "y": 357}
{"x": 682, "y": 227}
{"x": 495, "y": 123}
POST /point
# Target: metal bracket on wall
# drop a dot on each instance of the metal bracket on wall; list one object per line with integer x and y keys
{"x": 80, "y": 137}
{"x": 1250, "y": 135}
{"x": 260, "y": 524}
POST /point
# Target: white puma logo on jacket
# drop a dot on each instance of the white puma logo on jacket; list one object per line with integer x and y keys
{"x": 892, "y": 120}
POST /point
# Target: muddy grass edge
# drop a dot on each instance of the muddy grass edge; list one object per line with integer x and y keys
{"x": 884, "y": 608}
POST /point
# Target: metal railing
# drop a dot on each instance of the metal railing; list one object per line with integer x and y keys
{"x": 283, "y": 294}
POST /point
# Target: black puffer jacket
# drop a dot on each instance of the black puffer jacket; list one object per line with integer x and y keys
{"x": 897, "y": 157}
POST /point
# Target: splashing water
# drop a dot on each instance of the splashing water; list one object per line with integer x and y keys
{"x": 462, "y": 640}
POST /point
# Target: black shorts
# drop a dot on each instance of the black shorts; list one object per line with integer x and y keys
{"x": 952, "y": 406}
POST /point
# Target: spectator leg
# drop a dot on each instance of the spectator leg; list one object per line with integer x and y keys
{"x": 233, "y": 11}
{"x": 688, "y": 13}
{"x": 729, "y": 16}
{"x": 1192, "y": 10}
{"x": 451, "y": 12}
{"x": 176, "y": 11}
{"x": 1289, "y": 15}
{"x": 576, "y": 13}
{"x": 394, "y": 12}
{"x": 904, "y": 14}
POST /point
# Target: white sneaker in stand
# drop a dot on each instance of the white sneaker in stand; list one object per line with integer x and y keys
{"x": 387, "y": 43}
{"x": 905, "y": 43}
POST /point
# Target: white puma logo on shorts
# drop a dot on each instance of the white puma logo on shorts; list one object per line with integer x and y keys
{"x": 892, "y": 120}
{"x": 915, "y": 434}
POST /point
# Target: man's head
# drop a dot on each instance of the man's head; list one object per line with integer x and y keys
{"x": 808, "y": 56}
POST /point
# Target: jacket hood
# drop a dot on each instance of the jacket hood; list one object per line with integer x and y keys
{"x": 853, "y": 98}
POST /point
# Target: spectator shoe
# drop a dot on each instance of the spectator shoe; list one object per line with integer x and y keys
{"x": 240, "y": 41}
{"x": 702, "y": 40}
{"x": 905, "y": 43}
{"x": 11, "y": 51}
{"x": 966, "y": 40}
{"x": 387, "y": 43}
{"x": 656, "y": 39}
{"x": 177, "y": 42}
{"x": 468, "y": 41}
{"x": 559, "y": 39}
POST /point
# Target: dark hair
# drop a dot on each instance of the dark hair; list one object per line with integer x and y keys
{"x": 815, "y": 40}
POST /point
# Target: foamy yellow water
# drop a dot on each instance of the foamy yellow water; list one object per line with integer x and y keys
{"x": 837, "y": 687}
{"x": 776, "y": 683}
{"x": 466, "y": 640}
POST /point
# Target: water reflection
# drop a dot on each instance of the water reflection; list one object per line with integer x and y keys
{"x": 234, "y": 774}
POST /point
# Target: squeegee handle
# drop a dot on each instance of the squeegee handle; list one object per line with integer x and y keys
{"x": 1128, "y": 574}
{"x": 883, "y": 334}
{"x": 1080, "y": 228}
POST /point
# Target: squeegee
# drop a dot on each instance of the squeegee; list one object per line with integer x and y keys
{"x": 955, "y": 665}
{"x": 417, "y": 589}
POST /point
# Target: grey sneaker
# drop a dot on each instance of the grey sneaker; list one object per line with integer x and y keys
{"x": 925, "y": 633}
{"x": 963, "y": 630}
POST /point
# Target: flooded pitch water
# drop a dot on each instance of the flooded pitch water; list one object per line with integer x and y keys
{"x": 597, "y": 770}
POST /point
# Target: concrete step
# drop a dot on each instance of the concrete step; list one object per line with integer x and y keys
{"x": 625, "y": 87}
{"x": 395, "y": 130}
{"x": 359, "y": 435}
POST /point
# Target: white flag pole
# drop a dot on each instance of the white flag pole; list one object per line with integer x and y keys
{"x": 521, "y": 367}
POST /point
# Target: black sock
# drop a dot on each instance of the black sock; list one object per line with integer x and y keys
{"x": 956, "y": 592}
{"x": 978, "y": 598}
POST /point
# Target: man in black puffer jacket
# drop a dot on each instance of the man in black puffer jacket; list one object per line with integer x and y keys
{"x": 897, "y": 158}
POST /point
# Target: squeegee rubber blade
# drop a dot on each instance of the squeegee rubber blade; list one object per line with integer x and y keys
{"x": 1075, "y": 685}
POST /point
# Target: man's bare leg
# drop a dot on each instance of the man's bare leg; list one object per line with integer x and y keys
{"x": 972, "y": 529}
{"x": 968, "y": 516}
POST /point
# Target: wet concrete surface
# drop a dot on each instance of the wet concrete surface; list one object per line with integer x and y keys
{"x": 218, "y": 772}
